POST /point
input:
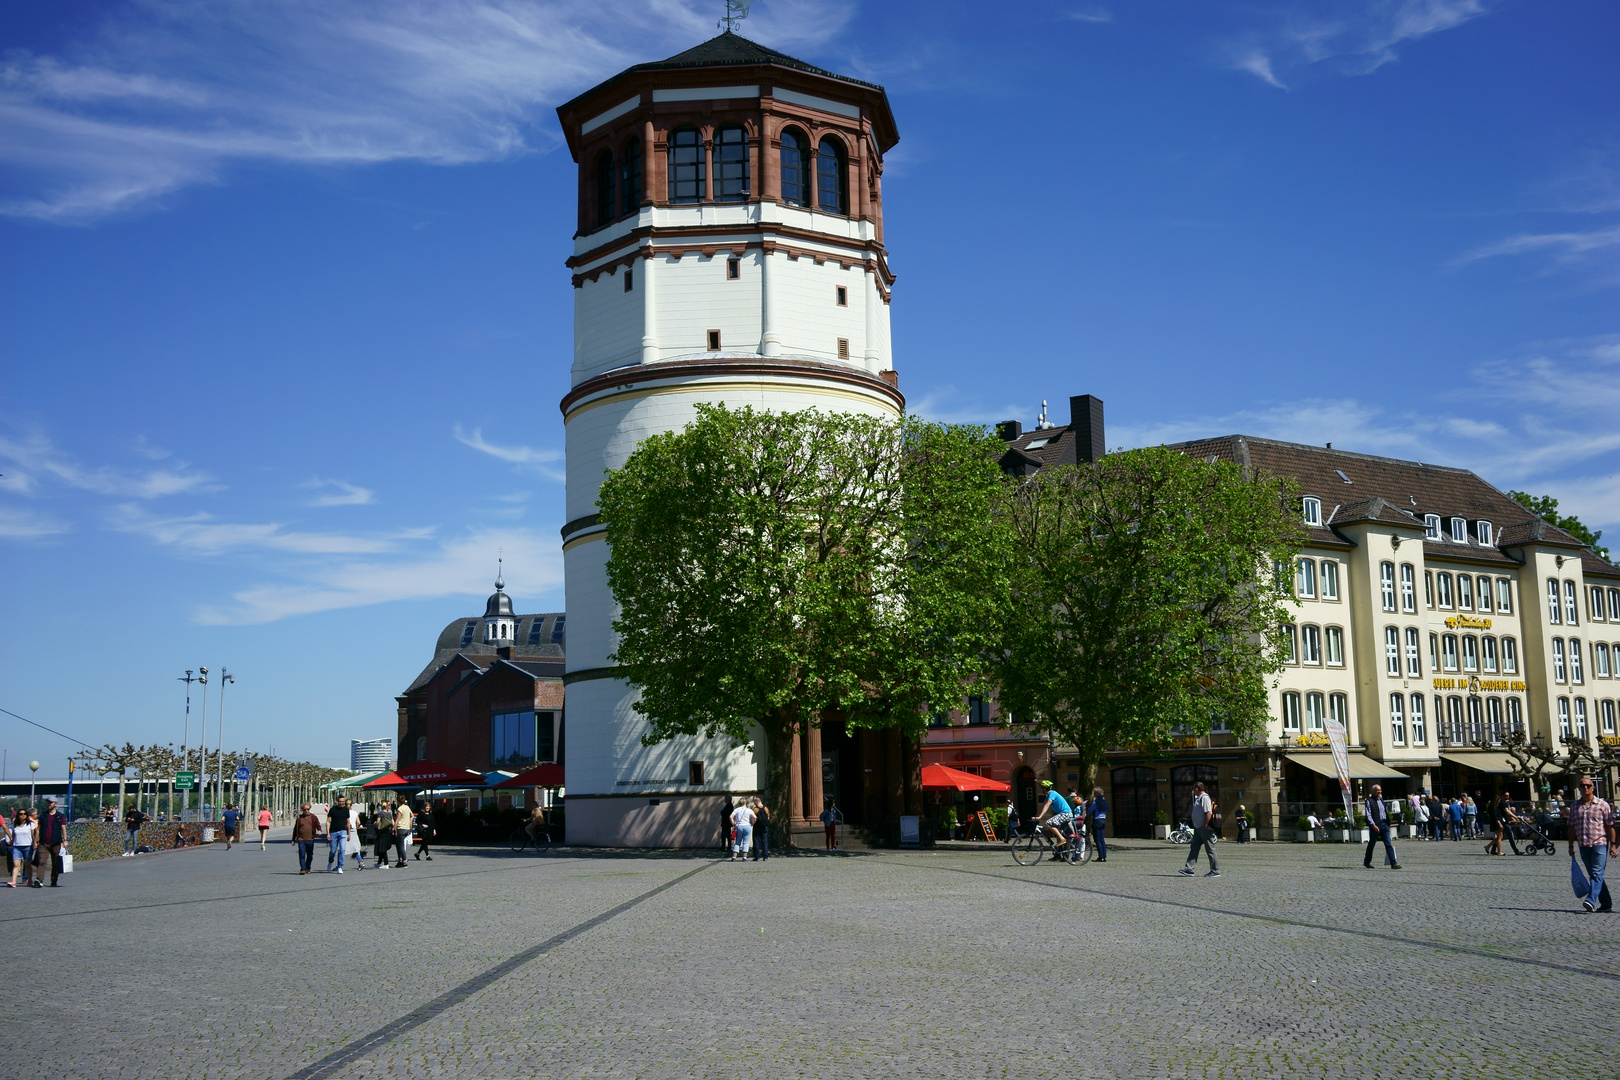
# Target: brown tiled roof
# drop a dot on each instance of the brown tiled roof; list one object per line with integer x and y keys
{"x": 1592, "y": 566}
{"x": 1057, "y": 445}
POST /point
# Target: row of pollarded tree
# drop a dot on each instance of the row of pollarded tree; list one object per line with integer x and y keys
{"x": 280, "y": 784}
{"x": 772, "y": 567}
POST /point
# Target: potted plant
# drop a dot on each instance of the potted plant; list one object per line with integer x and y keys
{"x": 1361, "y": 831}
{"x": 1161, "y": 825}
{"x": 1304, "y": 833}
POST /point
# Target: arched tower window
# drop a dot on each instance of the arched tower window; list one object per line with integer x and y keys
{"x": 795, "y": 169}
{"x": 685, "y": 166}
{"x": 630, "y": 178}
{"x": 730, "y": 164}
{"x": 605, "y": 204}
{"x": 830, "y": 172}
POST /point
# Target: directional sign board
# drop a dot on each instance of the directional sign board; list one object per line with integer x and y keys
{"x": 242, "y": 772}
{"x": 185, "y": 781}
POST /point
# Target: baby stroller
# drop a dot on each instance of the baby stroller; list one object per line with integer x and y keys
{"x": 1528, "y": 839}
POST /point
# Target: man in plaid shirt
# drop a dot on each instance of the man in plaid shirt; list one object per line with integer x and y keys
{"x": 1591, "y": 825}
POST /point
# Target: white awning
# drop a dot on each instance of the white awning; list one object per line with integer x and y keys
{"x": 1362, "y": 767}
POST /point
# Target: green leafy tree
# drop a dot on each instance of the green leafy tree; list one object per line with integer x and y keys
{"x": 1545, "y": 507}
{"x": 1146, "y": 599}
{"x": 769, "y": 567}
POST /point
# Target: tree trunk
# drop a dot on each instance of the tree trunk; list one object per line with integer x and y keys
{"x": 780, "y": 728}
{"x": 121, "y": 807}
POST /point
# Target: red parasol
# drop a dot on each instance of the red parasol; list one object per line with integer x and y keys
{"x": 945, "y": 778}
{"x": 428, "y": 774}
{"x": 547, "y": 774}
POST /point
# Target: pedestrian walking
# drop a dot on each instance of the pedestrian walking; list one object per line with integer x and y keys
{"x": 1378, "y": 830}
{"x": 1012, "y": 820}
{"x": 1201, "y": 810}
{"x": 233, "y": 824}
{"x": 23, "y": 830}
{"x": 1470, "y": 815}
{"x": 424, "y": 832}
{"x": 1097, "y": 816}
{"x": 829, "y": 823}
{"x": 306, "y": 827}
{"x": 762, "y": 828}
{"x": 1242, "y": 819}
{"x": 1454, "y": 811}
{"x": 403, "y": 820}
{"x": 337, "y": 833}
{"x": 1591, "y": 828}
{"x": 1501, "y": 825}
{"x": 1420, "y": 814}
{"x": 133, "y": 820}
{"x": 5, "y": 845}
{"x": 384, "y": 838}
{"x": 742, "y": 820}
{"x": 51, "y": 836}
{"x": 264, "y": 825}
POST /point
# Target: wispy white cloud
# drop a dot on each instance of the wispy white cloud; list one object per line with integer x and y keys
{"x": 36, "y": 464}
{"x": 1561, "y": 245}
{"x": 1351, "y": 37}
{"x": 461, "y": 567}
{"x": 168, "y": 94}
{"x": 1095, "y": 14}
{"x": 204, "y": 534}
{"x": 532, "y": 460}
{"x": 339, "y": 493}
{"x": 21, "y": 523}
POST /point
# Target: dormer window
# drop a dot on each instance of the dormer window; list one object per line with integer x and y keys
{"x": 1431, "y": 526}
{"x": 1313, "y": 510}
{"x": 1459, "y": 530}
{"x": 1482, "y": 532}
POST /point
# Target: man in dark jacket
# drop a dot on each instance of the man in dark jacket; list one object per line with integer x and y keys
{"x": 1378, "y": 828}
{"x": 306, "y": 827}
{"x": 52, "y": 835}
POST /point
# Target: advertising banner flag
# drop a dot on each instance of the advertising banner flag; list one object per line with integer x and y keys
{"x": 1341, "y": 760}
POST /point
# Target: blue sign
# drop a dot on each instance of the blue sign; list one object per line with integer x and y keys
{"x": 242, "y": 772}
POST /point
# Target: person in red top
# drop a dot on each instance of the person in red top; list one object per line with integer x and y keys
{"x": 264, "y": 825}
{"x": 52, "y": 835}
{"x": 1591, "y": 828}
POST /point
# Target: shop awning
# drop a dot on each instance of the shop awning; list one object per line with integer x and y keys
{"x": 1362, "y": 767}
{"x": 1489, "y": 761}
{"x": 945, "y": 778}
{"x": 357, "y": 780}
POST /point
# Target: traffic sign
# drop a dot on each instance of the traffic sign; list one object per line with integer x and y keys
{"x": 185, "y": 781}
{"x": 243, "y": 772}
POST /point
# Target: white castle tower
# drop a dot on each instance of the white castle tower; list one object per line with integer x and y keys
{"x": 730, "y": 249}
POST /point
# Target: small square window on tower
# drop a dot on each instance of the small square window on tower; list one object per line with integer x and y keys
{"x": 629, "y": 280}
{"x": 714, "y": 341}
{"x": 843, "y": 348}
{"x": 694, "y": 772}
{"x": 843, "y": 296}
{"x": 733, "y": 269}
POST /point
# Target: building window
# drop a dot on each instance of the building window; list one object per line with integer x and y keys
{"x": 1428, "y": 589}
{"x": 685, "y": 166}
{"x": 1386, "y": 584}
{"x": 1504, "y": 596}
{"x": 1559, "y": 674}
{"x": 1305, "y": 577}
{"x": 1572, "y": 610}
{"x": 1335, "y": 645}
{"x": 1448, "y": 652}
{"x": 1510, "y": 656}
{"x": 606, "y": 205}
{"x": 1465, "y": 592}
{"x": 1290, "y": 711}
{"x": 1515, "y": 716}
{"x": 730, "y": 164}
{"x": 694, "y": 773}
{"x": 830, "y": 172}
{"x": 1431, "y": 526}
{"x": 512, "y": 739}
{"x": 1454, "y": 720}
{"x": 714, "y": 341}
{"x": 534, "y": 630}
{"x": 1397, "y": 719}
{"x": 1392, "y": 651}
{"x": 1443, "y": 588}
{"x": 1310, "y": 645}
{"x": 1408, "y": 587}
{"x": 1459, "y": 530}
{"x": 795, "y": 169}
{"x": 1330, "y": 579}
{"x": 978, "y": 711}
{"x": 1290, "y": 644}
{"x": 630, "y": 178}
{"x": 1313, "y": 711}
{"x": 629, "y": 279}
{"x": 1482, "y": 533}
{"x": 1563, "y": 718}
{"x": 1434, "y": 652}
{"x": 841, "y": 296}
{"x": 468, "y": 631}
{"x": 1487, "y": 654}
{"x": 1608, "y": 717}
{"x": 1600, "y": 660}
{"x": 1575, "y": 674}
{"x": 1476, "y": 721}
{"x": 733, "y": 269}
{"x": 1614, "y": 605}
{"x": 1493, "y": 719}
{"x": 843, "y": 348}
{"x": 1470, "y": 653}
{"x": 1414, "y": 661}
{"x": 1554, "y": 610}
{"x": 1313, "y": 510}
{"x": 557, "y": 629}
{"x": 1419, "y": 735}
{"x": 1339, "y": 709}
{"x": 1594, "y": 607}
{"x": 1484, "y": 594}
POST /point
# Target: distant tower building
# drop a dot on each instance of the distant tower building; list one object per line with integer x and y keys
{"x": 370, "y": 755}
{"x": 730, "y": 249}
{"x": 500, "y": 625}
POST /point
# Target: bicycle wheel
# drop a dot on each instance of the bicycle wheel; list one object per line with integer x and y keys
{"x": 519, "y": 840}
{"x": 542, "y": 842}
{"x": 1081, "y": 851}
{"x": 1028, "y": 850}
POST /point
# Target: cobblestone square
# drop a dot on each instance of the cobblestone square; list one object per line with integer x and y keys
{"x": 1297, "y": 962}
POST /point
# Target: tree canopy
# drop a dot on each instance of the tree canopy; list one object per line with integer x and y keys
{"x": 1145, "y": 597}
{"x": 1545, "y": 507}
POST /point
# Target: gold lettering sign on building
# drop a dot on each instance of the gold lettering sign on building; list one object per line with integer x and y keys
{"x": 1476, "y": 685}
{"x": 1467, "y": 622}
{"x": 1313, "y": 738}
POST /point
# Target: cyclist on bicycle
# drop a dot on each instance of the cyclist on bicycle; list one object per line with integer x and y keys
{"x": 536, "y": 823}
{"x": 1062, "y": 813}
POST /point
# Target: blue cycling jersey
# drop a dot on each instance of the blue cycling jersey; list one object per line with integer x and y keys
{"x": 1060, "y": 805}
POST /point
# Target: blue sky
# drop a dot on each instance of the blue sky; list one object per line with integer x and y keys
{"x": 284, "y": 318}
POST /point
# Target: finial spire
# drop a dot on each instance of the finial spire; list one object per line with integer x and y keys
{"x": 736, "y": 12}
{"x": 500, "y": 578}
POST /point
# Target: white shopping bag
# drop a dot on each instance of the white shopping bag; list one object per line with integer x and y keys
{"x": 67, "y": 861}
{"x": 351, "y": 843}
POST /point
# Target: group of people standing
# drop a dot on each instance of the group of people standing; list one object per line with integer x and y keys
{"x": 1455, "y": 818}
{"x": 749, "y": 825}
{"x": 396, "y": 827}
{"x": 33, "y": 843}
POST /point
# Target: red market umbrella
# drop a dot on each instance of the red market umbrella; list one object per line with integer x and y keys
{"x": 430, "y": 774}
{"x": 945, "y": 778}
{"x": 547, "y": 774}
{"x": 387, "y": 780}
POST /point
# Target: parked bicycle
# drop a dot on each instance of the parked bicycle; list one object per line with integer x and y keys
{"x": 1181, "y": 834}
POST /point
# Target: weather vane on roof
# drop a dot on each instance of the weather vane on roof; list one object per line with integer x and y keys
{"x": 736, "y": 12}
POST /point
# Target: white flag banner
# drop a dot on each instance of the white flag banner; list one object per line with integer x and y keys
{"x": 1338, "y": 740}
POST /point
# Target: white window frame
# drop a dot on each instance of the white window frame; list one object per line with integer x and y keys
{"x": 1487, "y": 654}
{"x": 1600, "y": 659}
{"x": 1559, "y": 673}
{"x": 1459, "y": 530}
{"x": 1515, "y": 715}
{"x": 1482, "y": 593}
{"x": 1305, "y": 578}
{"x": 1419, "y": 734}
{"x": 1606, "y": 717}
{"x": 1493, "y": 719}
{"x": 1470, "y": 653}
{"x": 1446, "y": 600}
{"x": 1431, "y": 527}
{"x": 1614, "y": 605}
{"x": 1577, "y": 673}
{"x": 1465, "y": 592}
{"x": 1392, "y": 652}
{"x": 1333, "y": 646}
{"x": 1408, "y": 588}
{"x": 1330, "y": 579}
{"x": 1314, "y": 717}
{"x": 1339, "y": 708}
{"x": 1291, "y": 650}
{"x": 1397, "y": 719}
{"x": 1291, "y": 710}
{"x": 1386, "y": 584}
{"x": 1555, "y": 602}
{"x": 1572, "y": 604}
{"x": 1434, "y": 652}
{"x": 1594, "y": 604}
{"x": 1581, "y": 728}
{"x": 1504, "y": 595}
{"x": 1482, "y": 533}
{"x": 1414, "y": 654}
{"x": 1510, "y": 656}
{"x": 1310, "y": 645}
{"x": 1448, "y": 652}
{"x": 1563, "y": 718}
{"x": 1311, "y": 510}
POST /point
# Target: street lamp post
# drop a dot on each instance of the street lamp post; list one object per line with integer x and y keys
{"x": 202, "y": 744}
{"x": 33, "y": 771}
{"x": 219, "y": 751}
{"x": 185, "y": 743}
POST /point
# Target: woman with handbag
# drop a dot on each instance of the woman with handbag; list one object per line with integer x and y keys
{"x": 22, "y": 848}
{"x": 385, "y": 834}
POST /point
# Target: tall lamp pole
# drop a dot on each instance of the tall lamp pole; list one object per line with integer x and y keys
{"x": 202, "y": 744}
{"x": 185, "y": 743}
{"x": 219, "y": 751}
{"x": 33, "y": 772}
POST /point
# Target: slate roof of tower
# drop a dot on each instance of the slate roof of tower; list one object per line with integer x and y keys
{"x": 545, "y": 651}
